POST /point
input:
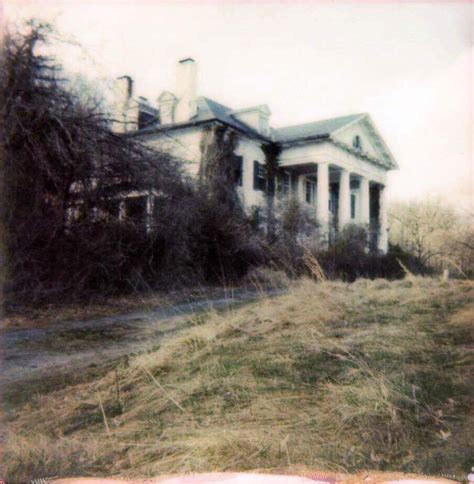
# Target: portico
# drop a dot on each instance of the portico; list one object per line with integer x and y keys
{"x": 341, "y": 196}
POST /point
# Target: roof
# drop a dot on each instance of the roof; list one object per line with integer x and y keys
{"x": 214, "y": 110}
{"x": 309, "y": 130}
{"x": 208, "y": 110}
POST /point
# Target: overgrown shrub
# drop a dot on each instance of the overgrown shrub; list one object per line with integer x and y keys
{"x": 224, "y": 244}
{"x": 347, "y": 257}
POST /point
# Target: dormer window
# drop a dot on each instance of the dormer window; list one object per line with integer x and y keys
{"x": 357, "y": 143}
{"x": 167, "y": 103}
{"x": 257, "y": 117}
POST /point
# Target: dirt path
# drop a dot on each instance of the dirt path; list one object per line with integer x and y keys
{"x": 32, "y": 354}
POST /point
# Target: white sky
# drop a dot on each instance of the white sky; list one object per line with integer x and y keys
{"x": 409, "y": 64}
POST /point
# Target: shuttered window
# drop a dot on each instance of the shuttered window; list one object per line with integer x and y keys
{"x": 310, "y": 192}
{"x": 259, "y": 176}
{"x": 238, "y": 170}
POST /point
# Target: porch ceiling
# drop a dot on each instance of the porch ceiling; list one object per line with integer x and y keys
{"x": 311, "y": 169}
{"x": 302, "y": 169}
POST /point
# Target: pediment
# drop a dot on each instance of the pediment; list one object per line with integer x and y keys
{"x": 363, "y": 137}
{"x": 264, "y": 109}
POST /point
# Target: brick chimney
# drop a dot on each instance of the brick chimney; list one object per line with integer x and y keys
{"x": 186, "y": 90}
{"x": 125, "y": 86}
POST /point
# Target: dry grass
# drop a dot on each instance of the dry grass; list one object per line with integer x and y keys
{"x": 332, "y": 376}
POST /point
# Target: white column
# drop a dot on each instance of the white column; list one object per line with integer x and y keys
{"x": 383, "y": 234}
{"x": 149, "y": 212}
{"x": 122, "y": 210}
{"x": 344, "y": 214}
{"x": 364, "y": 214}
{"x": 322, "y": 195}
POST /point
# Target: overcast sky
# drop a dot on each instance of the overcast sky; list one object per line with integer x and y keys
{"x": 409, "y": 64}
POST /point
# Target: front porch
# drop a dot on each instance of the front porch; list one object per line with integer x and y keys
{"x": 339, "y": 197}
{"x": 139, "y": 207}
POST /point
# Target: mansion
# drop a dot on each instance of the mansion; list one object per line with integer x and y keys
{"x": 336, "y": 167}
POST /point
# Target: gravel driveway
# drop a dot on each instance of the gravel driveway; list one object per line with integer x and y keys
{"x": 32, "y": 354}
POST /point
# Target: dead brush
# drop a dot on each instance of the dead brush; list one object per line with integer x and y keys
{"x": 409, "y": 276}
{"x": 313, "y": 266}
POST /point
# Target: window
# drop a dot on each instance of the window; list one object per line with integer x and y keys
{"x": 356, "y": 143}
{"x": 333, "y": 199}
{"x": 158, "y": 205}
{"x": 353, "y": 206}
{"x": 259, "y": 176}
{"x": 284, "y": 184}
{"x": 238, "y": 170}
{"x": 136, "y": 209}
{"x": 111, "y": 207}
{"x": 145, "y": 118}
{"x": 310, "y": 191}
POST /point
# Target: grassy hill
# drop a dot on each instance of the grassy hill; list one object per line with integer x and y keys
{"x": 334, "y": 376}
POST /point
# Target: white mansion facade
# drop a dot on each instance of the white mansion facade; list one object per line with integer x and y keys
{"x": 337, "y": 167}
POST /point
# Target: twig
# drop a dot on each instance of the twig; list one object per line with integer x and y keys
{"x": 158, "y": 384}
{"x": 107, "y": 428}
{"x": 117, "y": 388}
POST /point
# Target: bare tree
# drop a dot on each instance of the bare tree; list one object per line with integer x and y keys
{"x": 59, "y": 152}
{"x": 431, "y": 230}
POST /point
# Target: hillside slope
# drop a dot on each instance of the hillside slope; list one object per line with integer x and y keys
{"x": 334, "y": 376}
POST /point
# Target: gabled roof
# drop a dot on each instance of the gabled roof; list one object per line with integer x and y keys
{"x": 310, "y": 130}
{"x": 329, "y": 129}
